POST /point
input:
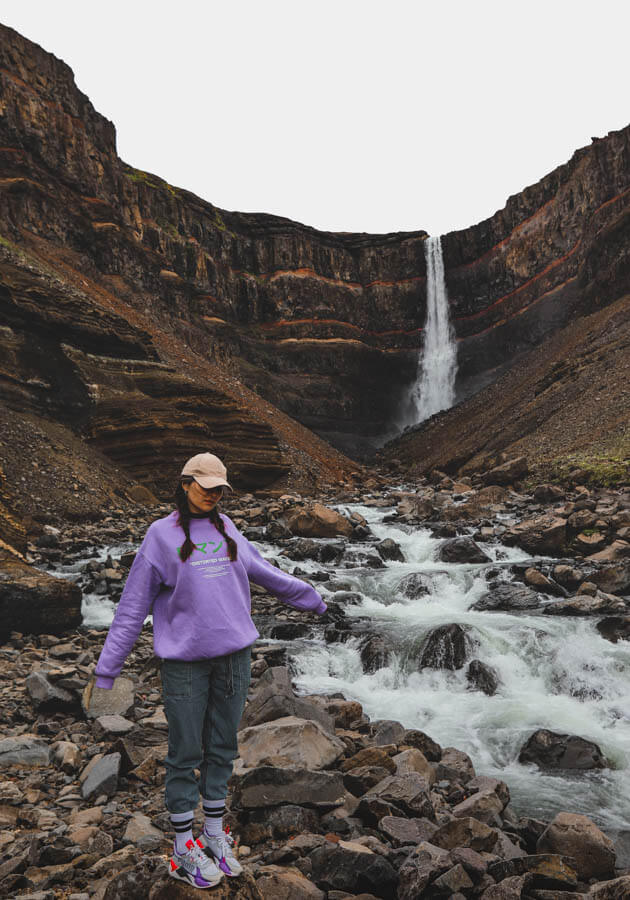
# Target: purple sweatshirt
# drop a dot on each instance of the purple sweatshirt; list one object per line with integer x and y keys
{"x": 202, "y": 607}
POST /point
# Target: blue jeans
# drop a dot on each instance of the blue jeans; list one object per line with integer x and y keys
{"x": 203, "y": 703}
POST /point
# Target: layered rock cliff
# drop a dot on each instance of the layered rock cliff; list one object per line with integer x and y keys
{"x": 324, "y": 326}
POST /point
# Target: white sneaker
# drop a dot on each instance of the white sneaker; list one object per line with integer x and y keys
{"x": 219, "y": 848}
{"x": 194, "y": 867}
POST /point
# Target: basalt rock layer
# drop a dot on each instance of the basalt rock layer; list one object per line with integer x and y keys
{"x": 324, "y": 326}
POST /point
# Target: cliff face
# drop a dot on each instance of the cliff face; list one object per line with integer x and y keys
{"x": 325, "y": 326}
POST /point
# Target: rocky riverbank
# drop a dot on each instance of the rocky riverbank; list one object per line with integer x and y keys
{"x": 326, "y": 802}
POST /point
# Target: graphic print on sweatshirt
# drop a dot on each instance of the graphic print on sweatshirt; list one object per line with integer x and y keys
{"x": 212, "y": 566}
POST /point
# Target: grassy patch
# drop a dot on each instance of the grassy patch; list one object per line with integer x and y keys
{"x": 605, "y": 467}
{"x": 140, "y": 177}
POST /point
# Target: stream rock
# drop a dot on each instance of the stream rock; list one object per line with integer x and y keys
{"x": 550, "y": 750}
{"x": 446, "y": 648}
{"x": 507, "y": 597}
{"x": 318, "y": 521}
{"x": 375, "y": 653}
{"x": 482, "y": 677}
{"x": 462, "y": 550}
{"x": 615, "y": 628}
{"x": 577, "y": 836}
{"x": 305, "y": 743}
{"x": 414, "y": 586}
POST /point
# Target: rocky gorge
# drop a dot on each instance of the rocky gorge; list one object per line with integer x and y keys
{"x": 330, "y": 800}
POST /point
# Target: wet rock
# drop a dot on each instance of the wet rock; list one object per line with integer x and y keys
{"x": 586, "y": 605}
{"x": 389, "y": 549}
{"x": 102, "y": 777}
{"x": 302, "y": 741}
{"x": 613, "y": 578}
{"x": 349, "y": 866}
{"x": 375, "y": 653}
{"x": 462, "y": 550}
{"x": 567, "y": 576}
{"x": 118, "y": 701}
{"x": 445, "y": 648}
{"x": 48, "y": 697}
{"x": 577, "y": 836}
{"x": 24, "y": 750}
{"x": 551, "y": 750}
{"x": 465, "y": 832}
{"x": 289, "y": 631}
{"x": 507, "y": 597}
{"x": 615, "y": 628}
{"x": 482, "y": 677}
{"x": 540, "y": 582}
{"x": 276, "y": 883}
{"x": 317, "y": 520}
{"x": 271, "y": 786}
{"x": 414, "y": 586}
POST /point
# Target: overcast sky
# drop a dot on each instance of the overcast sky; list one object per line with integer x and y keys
{"x": 352, "y": 115}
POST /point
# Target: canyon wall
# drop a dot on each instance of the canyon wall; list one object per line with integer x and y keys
{"x": 324, "y": 326}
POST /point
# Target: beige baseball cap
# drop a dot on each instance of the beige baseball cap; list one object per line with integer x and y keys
{"x": 207, "y": 470}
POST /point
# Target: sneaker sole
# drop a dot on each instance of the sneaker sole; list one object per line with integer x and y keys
{"x": 185, "y": 876}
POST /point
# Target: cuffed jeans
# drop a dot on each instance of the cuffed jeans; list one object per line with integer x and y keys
{"x": 203, "y": 703}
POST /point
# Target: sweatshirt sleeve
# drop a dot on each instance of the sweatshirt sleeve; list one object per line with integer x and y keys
{"x": 286, "y": 587}
{"x": 142, "y": 587}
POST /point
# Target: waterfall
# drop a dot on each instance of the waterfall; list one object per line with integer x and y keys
{"x": 434, "y": 388}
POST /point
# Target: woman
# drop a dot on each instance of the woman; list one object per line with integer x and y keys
{"x": 192, "y": 572}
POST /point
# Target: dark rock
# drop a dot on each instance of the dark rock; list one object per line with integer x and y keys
{"x": 48, "y": 697}
{"x": 454, "y": 880}
{"x": 375, "y": 653}
{"x": 421, "y": 741}
{"x": 35, "y": 603}
{"x": 278, "y": 822}
{"x": 418, "y": 872}
{"x": 273, "y": 699}
{"x": 507, "y": 597}
{"x": 507, "y": 472}
{"x": 482, "y": 677}
{"x": 465, "y": 832}
{"x": 462, "y": 550}
{"x": 414, "y": 586}
{"x": 408, "y": 793}
{"x": 24, "y": 750}
{"x": 402, "y": 831}
{"x": 615, "y": 628}
{"x": 361, "y": 779}
{"x": 289, "y": 631}
{"x": 547, "y": 870}
{"x": 551, "y": 750}
{"x": 389, "y": 549}
{"x": 445, "y": 648}
{"x": 386, "y": 731}
{"x": 348, "y": 867}
{"x": 102, "y": 778}
{"x": 268, "y": 786}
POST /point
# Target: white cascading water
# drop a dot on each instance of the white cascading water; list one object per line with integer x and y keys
{"x": 434, "y": 388}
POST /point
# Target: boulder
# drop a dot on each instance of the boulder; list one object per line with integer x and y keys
{"x": 414, "y": 586}
{"x": 389, "y": 549}
{"x": 615, "y": 628}
{"x": 615, "y": 551}
{"x": 369, "y": 756}
{"x": 579, "y": 837}
{"x": 362, "y": 779}
{"x": 414, "y": 760}
{"x": 141, "y": 832}
{"x": 445, "y": 648}
{"x": 484, "y": 805}
{"x": 277, "y": 883}
{"x": 278, "y": 822}
{"x": 268, "y": 786}
{"x": 408, "y": 794}
{"x": 615, "y": 889}
{"x": 509, "y": 889}
{"x": 386, "y": 731}
{"x": 586, "y": 605}
{"x": 302, "y": 741}
{"x": 454, "y": 881}
{"x": 102, "y": 777}
{"x": 402, "y": 831}
{"x": 430, "y": 748}
{"x": 48, "y": 697}
{"x": 551, "y": 750}
{"x": 482, "y": 677}
{"x": 317, "y": 520}
{"x": 546, "y": 870}
{"x": 465, "y": 832}
{"x": 35, "y": 603}
{"x": 613, "y": 578}
{"x": 419, "y": 870}
{"x": 375, "y": 653}
{"x": 352, "y": 867}
{"x": 415, "y": 508}
{"x": 507, "y": 597}
{"x": 24, "y": 750}
{"x": 462, "y": 550}
{"x": 118, "y": 701}
{"x": 273, "y": 698}
{"x": 540, "y": 582}
{"x": 508, "y": 472}
{"x": 166, "y": 888}
{"x": 454, "y": 762}
{"x": 544, "y": 534}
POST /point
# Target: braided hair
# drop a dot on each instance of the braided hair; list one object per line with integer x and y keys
{"x": 184, "y": 520}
